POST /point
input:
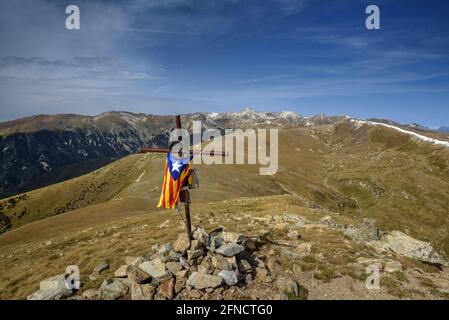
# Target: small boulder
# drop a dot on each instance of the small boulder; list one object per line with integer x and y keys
{"x": 291, "y": 289}
{"x": 136, "y": 275}
{"x": 229, "y": 277}
{"x": 180, "y": 284}
{"x": 90, "y": 294}
{"x": 205, "y": 267}
{"x": 182, "y": 274}
{"x": 167, "y": 288}
{"x": 202, "y": 281}
{"x": 53, "y": 288}
{"x": 232, "y": 237}
{"x": 213, "y": 242}
{"x": 155, "y": 268}
{"x": 195, "y": 245}
{"x": 230, "y": 249}
{"x": 364, "y": 232}
{"x": 219, "y": 262}
{"x": 122, "y": 272}
{"x": 142, "y": 291}
{"x": 112, "y": 289}
{"x": 199, "y": 234}
{"x": 192, "y": 254}
{"x": 98, "y": 269}
{"x": 173, "y": 267}
{"x": 182, "y": 243}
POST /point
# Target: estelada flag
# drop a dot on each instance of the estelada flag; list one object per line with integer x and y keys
{"x": 176, "y": 171}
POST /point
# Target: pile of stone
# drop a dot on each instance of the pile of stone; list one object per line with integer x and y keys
{"x": 208, "y": 264}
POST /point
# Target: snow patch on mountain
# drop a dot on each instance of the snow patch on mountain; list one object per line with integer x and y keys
{"x": 414, "y": 134}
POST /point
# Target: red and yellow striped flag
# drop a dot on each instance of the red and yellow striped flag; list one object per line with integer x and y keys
{"x": 176, "y": 171}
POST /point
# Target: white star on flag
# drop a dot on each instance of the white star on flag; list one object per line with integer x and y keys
{"x": 175, "y": 166}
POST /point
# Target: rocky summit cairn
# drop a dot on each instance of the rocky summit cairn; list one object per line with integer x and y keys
{"x": 212, "y": 265}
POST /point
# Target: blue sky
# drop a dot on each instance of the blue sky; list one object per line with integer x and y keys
{"x": 177, "y": 56}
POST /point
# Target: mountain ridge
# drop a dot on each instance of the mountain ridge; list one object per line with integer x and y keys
{"x": 45, "y": 149}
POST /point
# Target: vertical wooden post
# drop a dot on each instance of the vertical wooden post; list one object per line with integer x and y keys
{"x": 185, "y": 192}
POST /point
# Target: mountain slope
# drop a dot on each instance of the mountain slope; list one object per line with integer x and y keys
{"x": 357, "y": 170}
{"x": 346, "y": 170}
{"x": 41, "y": 150}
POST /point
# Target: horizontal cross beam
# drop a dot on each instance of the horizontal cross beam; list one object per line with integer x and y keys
{"x": 163, "y": 150}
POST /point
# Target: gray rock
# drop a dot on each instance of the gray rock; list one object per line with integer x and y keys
{"x": 199, "y": 234}
{"x": 136, "y": 275}
{"x": 213, "y": 242}
{"x": 405, "y": 245}
{"x": 331, "y": 223}
{"x": 230, "y": 249}
{"x": 202, "y": 281}
{"x": 219, "y": 262}
{"x": 233, "y": 262}
{"x": 182, "y": 243}
{"x": 122, "y": 272}
{"x": 229, "y": 277}
{"x": 180, "y": 284}
{"x": 165, "y": 249}
{"x": 174, "y": 256}
{"x": 294, "y": 221}
{"x": 192, "y": 254}
{"x": 182, "y": 274}
{"x": 101, "y": 267}
{"x": 155, "y": 268}
{"x": 366, "y": 231}
{"x": 205, "y": 267}
{"x": 142, "y": 291}
{"x": 98, "y": 269}
{"x": 291, "y": 289}
{"x": 90, "y": 294}
{"x": 53, "y": 288}
{"x": 195, "y": 245}
{"x": 232, "y": 237}
{"x": 112, "y": 289}
{"x": 173, "y": 267}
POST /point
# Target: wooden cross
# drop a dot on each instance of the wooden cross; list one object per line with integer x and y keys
{"x": 184, "y": 195}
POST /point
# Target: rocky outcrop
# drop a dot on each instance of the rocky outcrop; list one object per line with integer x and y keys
{"x": 407, "y": 246}
{"x": 366, "y": 231}
{"x": 53, "y": 288}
